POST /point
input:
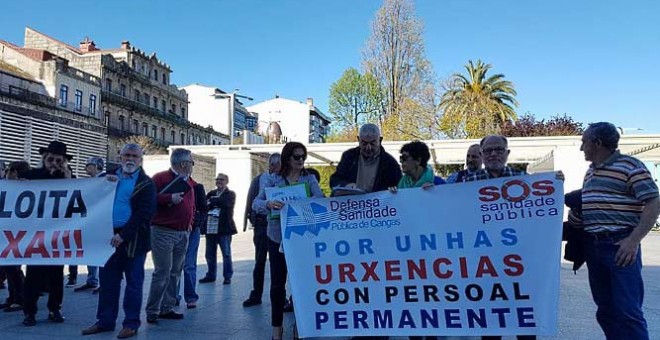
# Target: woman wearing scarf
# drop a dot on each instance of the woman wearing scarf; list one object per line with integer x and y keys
{"x": 416, "y": 171}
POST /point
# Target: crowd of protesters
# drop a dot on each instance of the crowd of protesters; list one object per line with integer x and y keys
{"x": 168, "y": 213}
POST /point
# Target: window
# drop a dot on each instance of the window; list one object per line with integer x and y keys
{"x": 162, "y": 134}
{"x": 183, "y": 112}
{"x": 174, "y": 108}
{"x": 79, "y": 98}
{"x": 146, "y": 99}
{"x": 92, "y": 104}
{"x": 108, "y": 85}
{"x": 154, "y": 129}
{"x": 183, "y": 139}
{"x": 162, "y": 105}
{"x": 155, "y": 102}
{"x": 164, "y": 79}
{"x": 136, "y": 95}
{"x": 107, "y": 118}
{"x": 122, "y": 89}
{"x": 64, "y": 94}
{"x": 172, "y": 135}
{"x": 135, "y": 126}
{"x": 145, "y": 129}
{"x": 121, "y": 123}
{"x": 156, "y": 75}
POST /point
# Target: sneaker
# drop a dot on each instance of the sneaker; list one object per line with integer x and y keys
{"x": 251, "y": 302}
{"x": 152, "y": 319}
{"x": 70, "y": 283}
{"x": 171, "y": 315}
{"x": 207, "y": 279}
{"x": 13, "y": 308}
{"x": 55, "y": 316}
{"x": 226, "y": 282}
{"x": 84, "y": 287}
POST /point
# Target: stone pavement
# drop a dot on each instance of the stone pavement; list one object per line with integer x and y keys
{"x": 220, "y": 314}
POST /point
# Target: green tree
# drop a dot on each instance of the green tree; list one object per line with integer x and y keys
{"x": 354, "y": 100}
{"x": 477, "y": 104}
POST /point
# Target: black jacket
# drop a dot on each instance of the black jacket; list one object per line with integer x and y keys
{"x": 388, "y": 174}
{"x": 136, "y": 233}
{"x": 256, "y": 220}
{"x": 225, "y": 203}
{"x": 201, "y": 207}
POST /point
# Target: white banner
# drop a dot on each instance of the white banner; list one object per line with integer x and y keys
{"x": 55, "y": 222}
{"x": 478, "y": 258}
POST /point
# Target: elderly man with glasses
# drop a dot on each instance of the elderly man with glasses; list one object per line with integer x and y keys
{"x": 170, "y": 230}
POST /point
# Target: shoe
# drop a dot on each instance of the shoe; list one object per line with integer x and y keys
{"x": 70, "y": 283}
{"x": 171, "y": 315}
{"x": 29, "y": 320}
{"x": 5, "y": 305}
{"x": 95, "y": 329}
{"x": 251, "y": 302}
{"x": 96, "y": 290}
{"x": 207, "y": 279}
{"x": 2, "y": 285}
{"x": 55, "y": 316}
{"x": 13, "y": 308}
{"x": 126, "y": 333}
{"x": 288, "y": 306}
{"x": 84, "y": 287}
{"x": 191, "y": 305}
{"x": 152, "y": 319}
{"x": 226, "y": 282}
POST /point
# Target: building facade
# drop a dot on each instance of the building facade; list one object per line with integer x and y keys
{"x": 138, "y": 98}
{"x": 299, "y": 122}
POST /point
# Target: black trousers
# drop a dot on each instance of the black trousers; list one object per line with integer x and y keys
{"x": 15, "y": 282}
{"x": 35, "y": 279}
{"x": 260, "y": 240}
{"x": 278, "y": 274}
{"x": 73, "y": 272}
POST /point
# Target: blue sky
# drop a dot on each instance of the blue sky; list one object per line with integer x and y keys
{"x": 595, "y": 60}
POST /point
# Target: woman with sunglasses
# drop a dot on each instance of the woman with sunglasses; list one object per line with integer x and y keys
{"x": 414, "y": 165}
{"x": 292, "y": 172}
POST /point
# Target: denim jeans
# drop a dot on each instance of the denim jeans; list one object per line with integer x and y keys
{"x": 190, "y": 269}
{"x": 168, "y": 251}
{"x": 617, "y": 291}
{"x": 212, "y": 242}
{"x": 92, "y": 275}
{"x": 118, "y": 266}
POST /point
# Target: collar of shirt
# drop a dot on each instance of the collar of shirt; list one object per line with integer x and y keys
{"x": 121, "y": 174}
{"x": 609, "y": 161}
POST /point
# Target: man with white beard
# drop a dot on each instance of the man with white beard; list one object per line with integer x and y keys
{"x": 134, "y": 207}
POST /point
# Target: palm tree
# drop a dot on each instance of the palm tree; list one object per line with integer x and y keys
{"x": 476, "y": 105}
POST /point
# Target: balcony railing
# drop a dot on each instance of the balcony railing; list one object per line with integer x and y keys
{"x": 42, "y": 99}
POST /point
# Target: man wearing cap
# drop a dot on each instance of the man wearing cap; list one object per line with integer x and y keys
{"x": 55, "y": 166}
{"x": 94, "y": 169}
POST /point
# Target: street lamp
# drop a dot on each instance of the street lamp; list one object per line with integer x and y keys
{"x": 232, "y": 99}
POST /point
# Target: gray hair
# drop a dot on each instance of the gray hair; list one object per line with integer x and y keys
{"x": 274, "y": 158}
{"x": 500, "y": 137}
{"x": 131, "y": 147}
{"x": 369, "y": 130}
{"x": 180, "y": 155}
{"x": 605, "y": 132}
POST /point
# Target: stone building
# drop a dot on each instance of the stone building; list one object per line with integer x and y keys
{"x": 137, "y": 96}
{"x": 297, "y": 121}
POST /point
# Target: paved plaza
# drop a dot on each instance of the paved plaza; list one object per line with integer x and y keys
{"x": 220, "y": 314}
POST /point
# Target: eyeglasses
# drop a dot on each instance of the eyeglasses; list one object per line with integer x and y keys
{"x": 403, "y": 158}
{"x": 220, "y": 179}
{"x": 187, "y": 162}
{"x": 56, "y": 160}
{"x": 498, "y": 151}
{"x": 299, "y": 157}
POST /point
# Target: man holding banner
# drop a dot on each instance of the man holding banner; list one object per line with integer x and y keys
{"x": 134, "y": 206}
{"x": 55, "y": 166}
{"x": 494, "y": 153}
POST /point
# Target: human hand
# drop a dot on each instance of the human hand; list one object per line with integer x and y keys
{"x": 274, "y": 205}
{"x": 116, "y": 240}
{"x": 559, "y": 175}
{"x": 112, "y": 178}
{"x": 427, "y": 186}
{"x": 177, "y": 198}
{"x": 351, "y": 185}
{"x": 393, "y": 190}
{"x": 627, "y": 253}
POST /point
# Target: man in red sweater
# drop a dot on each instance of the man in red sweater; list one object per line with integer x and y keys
{"x": 169, "y": 234}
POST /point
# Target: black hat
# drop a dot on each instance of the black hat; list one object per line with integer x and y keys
{"x": 57, "y": 148}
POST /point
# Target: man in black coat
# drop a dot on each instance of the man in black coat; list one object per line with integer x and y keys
{"x": 367, "y": 167}
{"x": 220, "y": 227}
{"x": 134, "y": 207}
{"x": 55, "y": 166}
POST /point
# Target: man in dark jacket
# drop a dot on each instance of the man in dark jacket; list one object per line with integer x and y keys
{"x": 367, "y": 167}
{"x": 260, "y": 239}
{"x": 219, "y": 230}
{"x": 134, "y": 206}
{"x": 55, "y": 166}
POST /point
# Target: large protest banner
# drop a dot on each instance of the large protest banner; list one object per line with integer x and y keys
{"x": 478, "y": 258}
{"x": 53, "y": 222}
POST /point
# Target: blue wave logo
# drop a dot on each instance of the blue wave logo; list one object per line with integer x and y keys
{"x": 307, "y": 218}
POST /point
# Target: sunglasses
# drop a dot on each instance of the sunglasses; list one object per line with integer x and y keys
{"x": 403, "y": 158}
{"x": 56, "y": 160}
{"x": 188, "y": 162}
{"x": 299, "y": 157}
